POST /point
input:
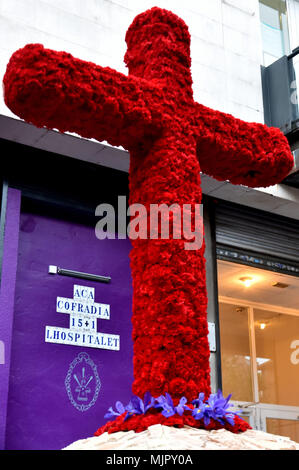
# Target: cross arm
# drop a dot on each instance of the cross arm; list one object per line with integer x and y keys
{"x": 54, "y": 90}
{"x": 230, "y": 149}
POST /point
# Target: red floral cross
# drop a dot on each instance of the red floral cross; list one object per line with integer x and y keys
{"x": 171, "y": 139}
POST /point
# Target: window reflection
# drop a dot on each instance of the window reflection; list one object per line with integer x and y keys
{"x": 235, "y": 352}
{"x": 274, "y": 27}
{"x": 278, "y": 373}
{"x": 284, "y": 427}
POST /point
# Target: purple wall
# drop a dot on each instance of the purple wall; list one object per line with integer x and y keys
{"x": 40, "y": 412}
{"x": 7, "y": 296}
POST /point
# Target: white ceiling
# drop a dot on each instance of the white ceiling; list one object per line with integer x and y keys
{"x": 261, "y": 290}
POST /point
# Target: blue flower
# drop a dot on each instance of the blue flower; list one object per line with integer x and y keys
{"x": 216, "y": 407}
{"x": 149, "y": 401}
{"x": 168, "y": 409}
{"x": 230, "y": 418}
{"x": 111, "y": 413}
{"x": 199, "y": 412}
{"x": 181, "y": 407}
{"x": 199, "y": 400}
{"x": 166, "y": 404}
{"x": 220, "y": 408}
{"x": 136, "y": 406}
{"x": 202, "y": 410}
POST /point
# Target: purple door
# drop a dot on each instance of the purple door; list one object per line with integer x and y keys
{"x": 59, "y": 392}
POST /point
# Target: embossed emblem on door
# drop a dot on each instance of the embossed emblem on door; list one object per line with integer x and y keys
{"x": 82, "y": 382}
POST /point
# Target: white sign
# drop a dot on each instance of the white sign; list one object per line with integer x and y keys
{"x": 2, "y": 353}
{"x": 83, "y": 313}
{"x": 212, "y": 337}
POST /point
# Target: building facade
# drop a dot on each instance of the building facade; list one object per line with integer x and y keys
{"x": 243, "y": 59}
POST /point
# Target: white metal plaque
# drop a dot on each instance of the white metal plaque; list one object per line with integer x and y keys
{"x": 212, "y": 337}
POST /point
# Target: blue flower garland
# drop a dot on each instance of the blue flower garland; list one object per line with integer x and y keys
{"x": 215, "y": 407}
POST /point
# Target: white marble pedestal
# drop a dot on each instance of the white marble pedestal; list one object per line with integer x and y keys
{"x": 160, "y": 437}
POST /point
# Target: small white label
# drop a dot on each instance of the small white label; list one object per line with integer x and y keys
{"x": 2, "y": 353}
{"x": 212, "y": 337}
{"x": 52, "y": 269}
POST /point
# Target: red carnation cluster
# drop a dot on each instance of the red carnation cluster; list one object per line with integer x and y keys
{"x": 54, "y": 90}
{"x": 258, "y": 155}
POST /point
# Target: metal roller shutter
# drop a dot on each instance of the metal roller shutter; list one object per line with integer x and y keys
{"x": 257, "y": 231}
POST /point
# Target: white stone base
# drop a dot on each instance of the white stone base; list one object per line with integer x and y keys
{"x": 160, "y": 437}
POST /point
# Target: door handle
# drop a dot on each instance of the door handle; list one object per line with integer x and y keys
{"x": 78, "y": 274}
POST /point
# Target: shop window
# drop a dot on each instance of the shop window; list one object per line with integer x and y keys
{"x": 259, "y": 334}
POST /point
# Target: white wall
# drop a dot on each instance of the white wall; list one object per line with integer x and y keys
{"x": 225, "y": 44}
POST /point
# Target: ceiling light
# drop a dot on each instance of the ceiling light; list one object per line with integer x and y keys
{"x": 263, "y": 324}
{"x": 247, "y": 281}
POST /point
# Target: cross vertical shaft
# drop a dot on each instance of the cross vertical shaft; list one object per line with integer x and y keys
{"x": 171, "y": 350}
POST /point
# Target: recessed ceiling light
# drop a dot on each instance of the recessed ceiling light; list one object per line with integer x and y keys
{"x": 246, "y": 280}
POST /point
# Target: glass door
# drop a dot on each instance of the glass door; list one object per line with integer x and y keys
{"x": 235, "y": 352}
{"x": 277, "y": 345}
{"x": 259, "y": 342}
